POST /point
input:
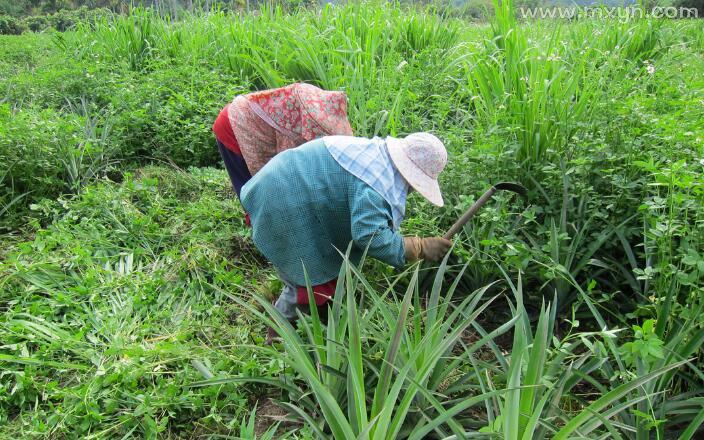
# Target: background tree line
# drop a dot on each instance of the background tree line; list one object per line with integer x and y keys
{"x": 24, "y": 8}
{"x": 18, "y": 16}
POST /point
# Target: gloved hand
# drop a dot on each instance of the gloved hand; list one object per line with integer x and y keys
{"x": 428, "y": 248}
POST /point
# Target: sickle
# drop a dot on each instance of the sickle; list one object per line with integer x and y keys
{"x": 467, "y": 216}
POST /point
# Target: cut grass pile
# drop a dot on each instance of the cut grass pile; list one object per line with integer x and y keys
{"x": 111, "y": 312}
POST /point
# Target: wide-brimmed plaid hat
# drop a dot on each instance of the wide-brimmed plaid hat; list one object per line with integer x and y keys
{"x": 420, "y": 157}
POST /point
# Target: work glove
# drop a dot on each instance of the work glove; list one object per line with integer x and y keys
{"x": 428, "y": 248}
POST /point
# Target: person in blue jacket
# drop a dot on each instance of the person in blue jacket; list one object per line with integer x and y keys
{"x": 308, "y": 203}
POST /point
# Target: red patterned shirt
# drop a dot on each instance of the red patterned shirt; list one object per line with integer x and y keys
{"x": 223, "y": 131}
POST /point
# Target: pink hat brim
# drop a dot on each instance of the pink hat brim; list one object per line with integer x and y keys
{"x": 421, "y": 182}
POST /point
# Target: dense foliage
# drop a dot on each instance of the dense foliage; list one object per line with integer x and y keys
{"x": 24, "y": 8}
{"x": 131, "y": 298}
{"x": 61, "y": 21}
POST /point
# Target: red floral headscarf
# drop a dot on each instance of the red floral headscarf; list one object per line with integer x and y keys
{"x": 268, "y": 122}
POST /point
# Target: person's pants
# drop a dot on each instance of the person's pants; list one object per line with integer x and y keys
{"x": 287, "y": 303}
{"x": 295, "y": 297}
{"x": 236, "y": 167}
{"x": 237, "y": 170}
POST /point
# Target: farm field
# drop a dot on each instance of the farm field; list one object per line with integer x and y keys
{"x": 135, "y": 305}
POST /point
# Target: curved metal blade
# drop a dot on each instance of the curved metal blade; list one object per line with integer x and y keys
{"x": 513, "y": 187}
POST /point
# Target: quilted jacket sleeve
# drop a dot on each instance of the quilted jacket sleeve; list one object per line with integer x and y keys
{"x": 371, "y": 225}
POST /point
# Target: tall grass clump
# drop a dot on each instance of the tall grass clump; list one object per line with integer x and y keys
{"x": 538, "y": 81}
{"x": 529, "y": 87}
{"x": 360, "y": 48}
{"x": 356, "y": 47}
{"x": 389, "y": 367}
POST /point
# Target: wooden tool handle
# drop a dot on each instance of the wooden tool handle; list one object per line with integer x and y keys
{"x": 467, "y": 216}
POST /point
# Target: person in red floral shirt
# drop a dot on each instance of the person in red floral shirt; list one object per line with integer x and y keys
{"x": 253, "y": 128}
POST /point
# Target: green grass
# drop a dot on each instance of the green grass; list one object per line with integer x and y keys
{"x": 108, "y": 327}
{"x": 134, "y": 305}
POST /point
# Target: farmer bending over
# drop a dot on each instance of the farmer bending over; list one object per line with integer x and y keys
{"x": 308, "y": 203}
{"x": 255, "y": 127}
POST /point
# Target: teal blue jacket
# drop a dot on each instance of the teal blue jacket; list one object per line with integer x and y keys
{"x": 306, "y": 209}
